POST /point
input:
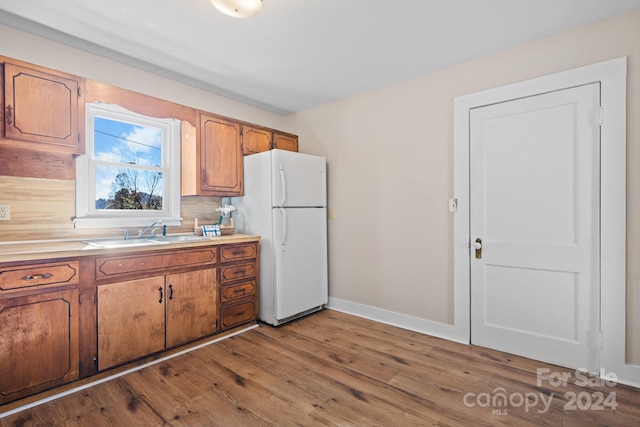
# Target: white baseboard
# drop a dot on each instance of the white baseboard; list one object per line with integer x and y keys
{"x": 630, "y": 376}
{"x": 412, "y": 323}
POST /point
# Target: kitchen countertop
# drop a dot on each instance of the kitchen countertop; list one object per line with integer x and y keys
{"x": 35, "y": 250}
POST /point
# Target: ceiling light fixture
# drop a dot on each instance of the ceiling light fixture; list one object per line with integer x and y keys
{"x": 238, "y": 8}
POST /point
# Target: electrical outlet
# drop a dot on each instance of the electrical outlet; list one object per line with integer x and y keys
{"x": 5, "y": 212}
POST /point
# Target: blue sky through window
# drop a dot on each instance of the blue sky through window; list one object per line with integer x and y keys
{"x": 133, "y": 149}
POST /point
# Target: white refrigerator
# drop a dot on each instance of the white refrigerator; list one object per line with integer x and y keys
{"x": 285, "y": 202}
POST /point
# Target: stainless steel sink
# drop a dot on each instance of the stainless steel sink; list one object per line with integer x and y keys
{"x": 181, "y": 238}
{"x": 122, "y": 243}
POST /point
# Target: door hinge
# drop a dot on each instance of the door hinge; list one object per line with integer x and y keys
{"x": 597, "y": 116}
{"x": 600, "y": 345}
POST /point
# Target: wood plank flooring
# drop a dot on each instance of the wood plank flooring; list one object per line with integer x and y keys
{"x": 333, "y": 369}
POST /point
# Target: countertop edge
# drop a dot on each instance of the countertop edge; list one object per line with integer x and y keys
{"x": 30, "y": 251}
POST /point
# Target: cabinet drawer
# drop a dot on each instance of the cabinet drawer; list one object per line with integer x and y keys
{"x": 119, "y": 265}
{"x": 238, "y": 314}
{"x": 230, "y": 273}
{"x": 26, "y": 276}
{"x": 238, "y": 252}
{"x": 241, "y": 290}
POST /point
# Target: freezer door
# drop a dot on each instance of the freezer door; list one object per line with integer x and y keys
{"x": 298, "y": 179}
{"x": 300, "y": 252}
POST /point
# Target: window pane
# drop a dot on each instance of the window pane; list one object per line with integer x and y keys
{"x": 121, "y": 142}
{"x": 128, "y": 188}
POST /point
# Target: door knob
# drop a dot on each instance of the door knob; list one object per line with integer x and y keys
{"x": 478, "y": 246}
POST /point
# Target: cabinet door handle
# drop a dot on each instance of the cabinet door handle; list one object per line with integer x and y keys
{"x": 9, "y": 115}
{"x": 37, "y": 276}
{"x": 160, "y": 289}
{"x": 170, "y": 291}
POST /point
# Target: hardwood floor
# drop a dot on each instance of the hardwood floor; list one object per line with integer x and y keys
{"x": 333, "y": 369}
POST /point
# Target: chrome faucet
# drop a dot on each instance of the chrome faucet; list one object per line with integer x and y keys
{"x": 153, "y": 230}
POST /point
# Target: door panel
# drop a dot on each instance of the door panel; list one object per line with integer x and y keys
{"x": 298, "y": 179}
{"x": 300, "y": 252}
{"x": 130, "y": 320}
{"x": 534, "y": 182}
{"x": 191, "y": 306}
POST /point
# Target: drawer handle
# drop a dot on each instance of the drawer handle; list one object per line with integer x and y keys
{"x": 37, "y": 276}
{"x": 240, "y": 314}
{"x": 243, "y": 271}
{"x": 239, "y": 291}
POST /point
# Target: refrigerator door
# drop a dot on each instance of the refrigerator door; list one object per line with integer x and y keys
{"x": 300, "y": 253}
{"x": 298, "y": 179}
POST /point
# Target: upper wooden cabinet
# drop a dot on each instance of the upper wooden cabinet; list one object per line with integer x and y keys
{"x": 218, "y": 167}
{"x": 43, "y": 109}
{"x": 285, "y": 141}
{"x": 256, "y": 140}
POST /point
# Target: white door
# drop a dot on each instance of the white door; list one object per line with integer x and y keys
{"x": 534, "y": 201}
{"x": 298, "y": 179}
{"x": 300, "y": 254}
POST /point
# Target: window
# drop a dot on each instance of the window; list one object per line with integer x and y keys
{"x": 130, "y": 175}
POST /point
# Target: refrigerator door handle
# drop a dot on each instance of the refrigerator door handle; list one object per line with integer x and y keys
{"x": 284, "y": 229}
{"x": 283, "y": 183}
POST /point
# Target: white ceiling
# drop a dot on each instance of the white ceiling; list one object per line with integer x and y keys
{"x": 296, "y": 54}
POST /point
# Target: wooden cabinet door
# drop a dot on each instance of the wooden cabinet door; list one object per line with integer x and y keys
{"x": 38, "y": 343}
{"x": 130, "y": 320}
{"x": 285, "y": 142}
{"x": 221, "y": 169}
{"x": 192, "y": 301}
{"x": 42, "y": 107}
{"x": 255, "y": 140}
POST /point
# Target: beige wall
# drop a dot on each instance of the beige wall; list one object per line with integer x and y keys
{"x": 390, "y": 155}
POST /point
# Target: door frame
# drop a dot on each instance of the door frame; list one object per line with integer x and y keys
{"x": 612, "y": 76}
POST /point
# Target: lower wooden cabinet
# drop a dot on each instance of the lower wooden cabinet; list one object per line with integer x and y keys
{"x": 144, "y": 316}
{"x": 64, "y": 318}
{"x": 238, "y": 284}
{"x": 38, "y": 342}
{"x": 192, "y": 306}
{"x": 130, "y": 320}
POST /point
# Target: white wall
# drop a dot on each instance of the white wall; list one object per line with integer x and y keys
{"x": 390, "y": 155}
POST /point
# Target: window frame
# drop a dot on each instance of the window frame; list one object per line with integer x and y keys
{"x": 87, "y": 216}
